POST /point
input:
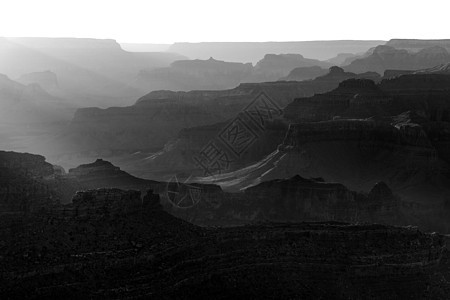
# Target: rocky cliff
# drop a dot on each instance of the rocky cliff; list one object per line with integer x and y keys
{"x": 157, "y": 117}
{"x": 295, "y": 199}
{"x": 109, "y": 244}
{"x": 26, "y": 183}
{"x": 386, "y": 57}
{"x": 273, "y": 66}
{"x": 415, "y": 45}
{"x": 186, "y": 75}
{"x": 304, "y": 73}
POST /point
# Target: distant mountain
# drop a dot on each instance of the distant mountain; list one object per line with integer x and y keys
{"x": 46, "y": 79}
{"x": 185, "y": 75}
{"x": 90, "y": 71}
{"x": 252, "y": 52}
{"x": 388, "y": 58}
{"x": 273, "y": 66}
{"x": 415, "y": 45}
{"x": 144, "y": 47}
{"x": 342, "y": 58}
{"x": 305, "y": 73}
{"x": 212, "y": 74}
{"x": 333, "y": 74}
{"x": 30, "y": 104}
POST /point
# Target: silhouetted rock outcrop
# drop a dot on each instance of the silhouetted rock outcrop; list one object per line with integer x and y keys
{"x": 296, "y": 199}
{"x": 107, "y": 245}
{"x": 100, "y": 174}
{"x": 26, "y": 183}
{"x": 305, "y": 73}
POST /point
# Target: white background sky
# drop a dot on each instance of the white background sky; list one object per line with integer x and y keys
{"x": 168, "y": 21}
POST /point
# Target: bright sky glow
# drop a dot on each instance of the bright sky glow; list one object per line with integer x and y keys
{"x": 168, "y": 21}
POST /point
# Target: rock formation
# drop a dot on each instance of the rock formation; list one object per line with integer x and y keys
{"x": 295, "y": 199}
{"x": 272, "y": 66}
{"x": 252, "y": 52}
{"x": 385, "y": 57}
{"x": 46, "y": 79}
{"x": 415, "y": 45}
{"x": 186, "y": 75}
{"x": 108, "y": 245}
{"x": 158, "y": 117}
{"x": 26, "y": 183}
{"x": 304, "y": 73}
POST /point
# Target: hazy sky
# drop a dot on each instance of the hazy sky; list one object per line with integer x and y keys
{"x": 168, "y": 21}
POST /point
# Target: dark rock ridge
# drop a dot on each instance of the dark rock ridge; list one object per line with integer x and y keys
{"x": 305, "y": 73}
{"x": 296, "y": 200}
{"x": 26, "y": 183}
{"x": 440, "y": 69}
{"x": 177, "y": 156}
{"x": 425, "y": 93}
{"x": 385, "y": 58}
{"x": 101, "y": 174}
{"x": 108, "y": 244}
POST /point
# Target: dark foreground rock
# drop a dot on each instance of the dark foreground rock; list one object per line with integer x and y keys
{"x": 108, "y": 244}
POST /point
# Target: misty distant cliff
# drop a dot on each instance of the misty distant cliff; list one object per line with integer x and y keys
{"x": 252, "y": 52}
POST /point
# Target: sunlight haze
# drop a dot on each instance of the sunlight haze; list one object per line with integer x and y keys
{"x": 206, "y": 21}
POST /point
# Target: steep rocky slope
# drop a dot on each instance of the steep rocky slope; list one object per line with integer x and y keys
{"x": 157, "y": 117}
{"x": 385, "y": 57}
{"x": 186, "y": 75}
{"x": 110, "y": 244}
{"x": 91, "y": 71}
{"x": 26, "y": 183}
{"x": 304, "y": 73}
{"x": 272, "y": 66}
{"x": 416, "y": 45}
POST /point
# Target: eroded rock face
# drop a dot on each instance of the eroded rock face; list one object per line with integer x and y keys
{"x": 113, "y": 250}
{"x": 186, "y": 75}
{"x": 385, "y": 57}
{"x": 100, "y": 174}
{"x": 158, "y": 117}
{"x": 106, "y": 201}
{"x": 295, "y": 200}
{"x": 414, "y": 45}
{"x": 305, "y": 73}
{"x": 26, "y": 183}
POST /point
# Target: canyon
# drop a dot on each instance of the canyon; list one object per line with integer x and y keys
{"x": 142, "y": 251}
